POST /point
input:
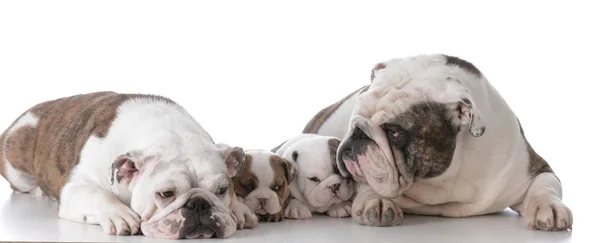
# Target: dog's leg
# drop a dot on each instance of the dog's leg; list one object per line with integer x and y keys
{"x": 340, "y": 210}
{"x": 86, "y": 203}
{"x": 542, "y": 206}
{"x": 297, "y": 210}
{"x": 244, "y": 215}
{"x": 371, "y": 209}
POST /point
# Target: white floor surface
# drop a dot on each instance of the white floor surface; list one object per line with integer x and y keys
{"x": 25, "y": 217}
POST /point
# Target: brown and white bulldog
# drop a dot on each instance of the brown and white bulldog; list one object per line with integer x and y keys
{"x": 263, "y": 184}
{"x": 126, "y": 162}
{"x": 430, "y": 135}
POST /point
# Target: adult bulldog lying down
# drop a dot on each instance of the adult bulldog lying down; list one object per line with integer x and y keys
{"x": 126, "y": 162}
{"x": 430, "y": 135}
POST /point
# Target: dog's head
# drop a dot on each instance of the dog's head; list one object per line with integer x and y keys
{"x": 181, "y": 194}
{"x": 406, "y": 126}
{"x": 319, "y": 179}
{"x": 263, "y": 182}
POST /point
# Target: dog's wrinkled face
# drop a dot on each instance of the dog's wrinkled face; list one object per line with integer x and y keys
{"x": 318, "y": 178}
{"x": 182, "y": 196}
{"x": 263, "y": 182}
{"x": 405, "y": 127}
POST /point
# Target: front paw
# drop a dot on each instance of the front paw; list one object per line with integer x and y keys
{"x": 548, "y": 215}
{"x": 297, "y": 211}
{"x": 340, "y": 210}
{"x": 271, "y": 217}
{"x": 118, "y": 219}
{"x": 246, "y": 219}
{"x": 376, "y": 211}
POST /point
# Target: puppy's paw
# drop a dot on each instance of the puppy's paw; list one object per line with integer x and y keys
{"x": 271, "y": 217}
{"x": 297, "y": 210}
{"x": 548, "y": 214}
{"x": 246, "y": 219}
{"x": 340, "y": 210}
{"x": 376, "y": 211}
{"x": 119, "y": 219}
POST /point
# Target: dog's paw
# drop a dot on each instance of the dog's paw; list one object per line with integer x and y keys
{"x": 118, "y": 219}
{"x": 297, "y": 210}
{"x": 246, "y": 219}
{"x": 548, "y": 215}
{"x": 376, "y": 211}
{"x": 340, "y": 210}
{"x": 271, "y": 217}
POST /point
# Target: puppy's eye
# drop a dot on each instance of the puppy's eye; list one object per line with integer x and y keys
{"x": 276, "y": 188}
{"x": 248, "y": 187}
{"x": 166, "y": 194}
{"x": 222, "y": 190}
{"x": 315, "y": 179}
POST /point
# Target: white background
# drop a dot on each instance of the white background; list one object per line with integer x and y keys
{"x": 254, "y": 72}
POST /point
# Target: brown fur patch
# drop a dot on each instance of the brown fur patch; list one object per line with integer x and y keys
{"x": 537, "y": 164}
{"x": 281, "y": 168}
{"x": 467, "y": 66}
{"x": 377, "y": 67}
{"x": 246, "y": 181}
{"x": 50, "y": 150}
{"x": 317, "y": 121}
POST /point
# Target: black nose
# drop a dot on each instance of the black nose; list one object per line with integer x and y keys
{"x": 262, "y": 201}
{"x": 335, "y": 188}
{"x": 198, "y": 204}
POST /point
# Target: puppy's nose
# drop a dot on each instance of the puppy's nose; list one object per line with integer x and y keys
{"x": 198, "y": 204}
{"x": 262, "y": 201}
{"x": 335, "y": 188}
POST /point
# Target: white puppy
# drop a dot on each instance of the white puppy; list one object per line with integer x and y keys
{"x": 319, "y": 187}
{"x": 126, "y": 162}
{"x": 430, "y": 135}
{"x": 263, "y": 182}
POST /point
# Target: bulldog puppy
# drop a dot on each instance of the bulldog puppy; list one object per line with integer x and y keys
{"x": 127, "y": 162}
{"x": 319, "y": 186}
{"x": 262, "y": 184}
{"x": 430, "y": 135}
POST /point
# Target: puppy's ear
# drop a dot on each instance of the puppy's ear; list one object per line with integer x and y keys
{"x": 374, "y": 70}
{"x": 234, "y": 158}
{"x": 126, "y": 166}
{"x": 290, "y": 169}
{"x": 465, "y": 112}
{"x": 334, "y": 144}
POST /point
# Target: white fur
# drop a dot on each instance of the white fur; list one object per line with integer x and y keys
{"x": 314, "y": 160}
{"x": 487, "y": 173}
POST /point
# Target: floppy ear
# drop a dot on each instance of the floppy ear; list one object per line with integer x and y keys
{"x": 234, "y": 158}
{"x": 290, "y": 169}
{"x": 374, "y": 70}
{"x": 334, "y": 144}
{"x": 465, "y": 112}
{"x": 126, "y": 166}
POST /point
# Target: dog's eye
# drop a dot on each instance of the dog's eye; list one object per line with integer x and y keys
{"x": 166, "y": 194}
{"x": 276, "y": 188}
{"x": 248, "y": 187}
{"x": 222, "y": 190}
{"x": 315, "y": 179}
{"x": 393, "y": 133}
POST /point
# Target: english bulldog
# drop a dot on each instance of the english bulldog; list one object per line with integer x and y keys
{"x": 430, "y": 135}
{"x": 262, "y": 184}
{"x": 127, "y": 162}
{"x": 319, "y": 186}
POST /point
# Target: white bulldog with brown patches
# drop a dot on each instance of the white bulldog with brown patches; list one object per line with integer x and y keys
{"x": 319, "y": 186}
{"x": 432, "y": 136}
{"x": 127, "y": 162}
{"x": 263, "y": 184}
